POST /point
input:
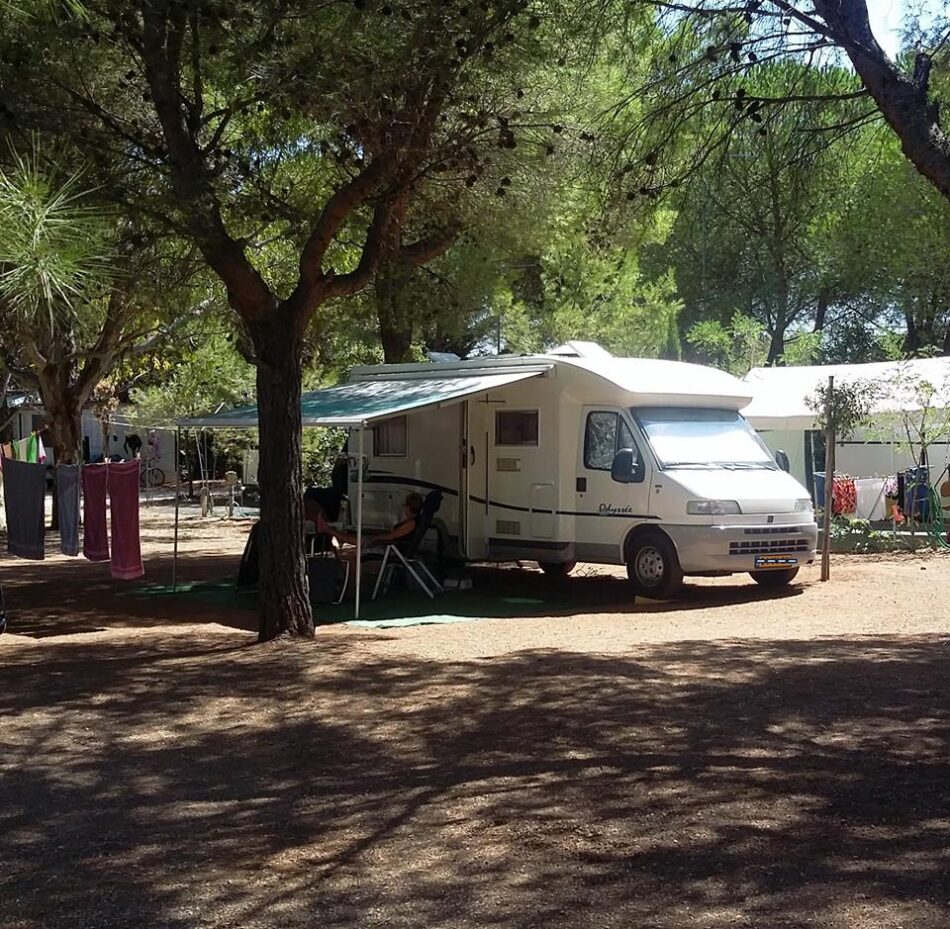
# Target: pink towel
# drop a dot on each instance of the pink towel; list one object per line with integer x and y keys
{"x": 124, "y": 498}
{"x": 95, "y": 540}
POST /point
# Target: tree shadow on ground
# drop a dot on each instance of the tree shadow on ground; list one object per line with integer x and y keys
{"x": 72, "y": 597}
{"x": 175, "y": 782}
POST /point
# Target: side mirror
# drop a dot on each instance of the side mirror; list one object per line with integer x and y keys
{"x": 781, "y": 459}
{"x": 626, "y": 467}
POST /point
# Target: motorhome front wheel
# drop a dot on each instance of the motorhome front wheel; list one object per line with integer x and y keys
{"x": 654, "y": 568}
{"x": 774, "y": 579}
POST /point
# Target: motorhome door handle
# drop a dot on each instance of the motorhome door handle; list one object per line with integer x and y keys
{"x": 472, "y": 450}
{"x": 582, "y": 485}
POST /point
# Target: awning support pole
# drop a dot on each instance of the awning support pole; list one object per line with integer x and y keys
{"x": 359, "y": 523}
{"x": 177, "y": 493}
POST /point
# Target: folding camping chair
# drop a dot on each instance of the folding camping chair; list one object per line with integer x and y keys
{"x": 405, "y": 555}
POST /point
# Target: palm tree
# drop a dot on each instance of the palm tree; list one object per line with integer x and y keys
{"x": 55, "y": 276}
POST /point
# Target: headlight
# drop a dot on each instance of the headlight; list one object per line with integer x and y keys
{"x": 803, "y": 505}
{"x": 712, "y": 507}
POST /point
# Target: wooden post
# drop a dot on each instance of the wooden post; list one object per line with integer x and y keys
{"x": 829, "y": 480}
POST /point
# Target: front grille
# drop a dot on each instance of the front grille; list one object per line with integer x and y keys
{"x": 769, "y": 547}
{"x": 773, "y": 530}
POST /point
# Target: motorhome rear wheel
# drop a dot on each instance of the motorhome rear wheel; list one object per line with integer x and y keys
{"x": 557, "y": 568}
{"x": 653, "y": 566}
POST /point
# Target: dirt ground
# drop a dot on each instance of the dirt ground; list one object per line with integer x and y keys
{"x": 733, "y": 759}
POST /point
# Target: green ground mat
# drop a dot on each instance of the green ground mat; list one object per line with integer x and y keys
{"x": 396, "y": 623}
{"x": 393, "y": 611}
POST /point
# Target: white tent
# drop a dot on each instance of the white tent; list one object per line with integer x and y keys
{"x": 780, "y": 395}
{"x": 780, "y": 411}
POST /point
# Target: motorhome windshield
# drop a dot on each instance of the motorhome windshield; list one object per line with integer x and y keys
{"x": 696, "y": 438}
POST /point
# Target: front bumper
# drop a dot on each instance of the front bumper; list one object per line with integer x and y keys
{"x": 740, "y": 548}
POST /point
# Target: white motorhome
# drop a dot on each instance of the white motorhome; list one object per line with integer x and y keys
{"x": 577, "y": 456}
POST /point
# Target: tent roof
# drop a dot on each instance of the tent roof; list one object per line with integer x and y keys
{"x": 363, "y": 401}
{"x": 780, "y": 395}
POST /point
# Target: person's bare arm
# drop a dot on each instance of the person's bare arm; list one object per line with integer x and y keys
{"x": 398, "y": 532}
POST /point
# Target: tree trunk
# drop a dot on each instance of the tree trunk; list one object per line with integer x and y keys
{"x": 776, "y": 346}
{"x": 821, "y": 311}
{"x": 65, "y": 432}
{"x": 912, "y": 339}
{"x": 390, "y": 291}
{"x": 63, "y": 417}
{"x": 284, "y": 592}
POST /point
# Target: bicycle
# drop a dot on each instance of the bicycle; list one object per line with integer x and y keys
{"x": 151, "y": 475}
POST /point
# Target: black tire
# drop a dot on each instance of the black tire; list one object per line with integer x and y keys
{"x": 557, "y": 568}
{"x": 152, "y": 477}
{"x": 773, "y": 580}
{"x": 654, "y": 567}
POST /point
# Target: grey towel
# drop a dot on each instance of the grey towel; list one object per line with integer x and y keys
{"x": 67, "y": 490}
{"x": 24, "y": 487}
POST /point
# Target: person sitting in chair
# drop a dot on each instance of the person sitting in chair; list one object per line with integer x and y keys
{"x": 402, "y": 530}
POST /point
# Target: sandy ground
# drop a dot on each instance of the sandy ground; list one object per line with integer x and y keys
{"x": 734, "y": 759}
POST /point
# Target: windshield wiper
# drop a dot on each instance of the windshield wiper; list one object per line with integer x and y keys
{"x": 725, "y": 465}
{"x": 750, "y": 465}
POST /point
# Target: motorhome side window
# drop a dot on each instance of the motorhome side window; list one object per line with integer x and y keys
{"x": 516, "y": 427}
{"x": 602, "y": 442}
{"x": 389, "y": 438}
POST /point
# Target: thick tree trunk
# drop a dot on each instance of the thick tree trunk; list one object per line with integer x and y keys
{"x": 777, "y": 340}
{"x": 284, "y": 593}
{"x": 393, "y": 275}
{"x": 65, "y": 434}
{"x": 776, "y": 347}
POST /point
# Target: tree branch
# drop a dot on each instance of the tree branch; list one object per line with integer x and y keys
{"x": 425, "y": 250}
{"x": 336, "y": 211}
{"x": 248, "y": 293}
{"x": 360, "y": 277}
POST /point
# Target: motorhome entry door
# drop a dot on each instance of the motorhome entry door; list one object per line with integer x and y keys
{"x": 473, "y": 480}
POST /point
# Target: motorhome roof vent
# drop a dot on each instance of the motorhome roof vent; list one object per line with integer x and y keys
{"x": 577, "y": 349}
{"x": 442, "y": 357}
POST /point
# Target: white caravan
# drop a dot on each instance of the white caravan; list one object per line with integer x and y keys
{"x": 577, "y": 456}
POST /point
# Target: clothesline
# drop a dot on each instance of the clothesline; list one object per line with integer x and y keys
{"x": 116, "y": 541}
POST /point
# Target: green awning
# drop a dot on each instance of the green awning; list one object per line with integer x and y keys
{"x": 371, "y": 399}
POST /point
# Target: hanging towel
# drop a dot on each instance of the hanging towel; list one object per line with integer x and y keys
{"x": 870, "y": 498}
{"x": 7, "y": 450}
{"x": 843, "y": 496}
{"x": 35, "y": 449}
{"x": 124, "y": 501}
{"x": 25, "y": 499}
{"x": 67, "y": 492}
{"x": 95, "y": 540}
{"x": 21, "y": 449}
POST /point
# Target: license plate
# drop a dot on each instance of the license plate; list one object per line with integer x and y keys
{"x": 775, "y": 561}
